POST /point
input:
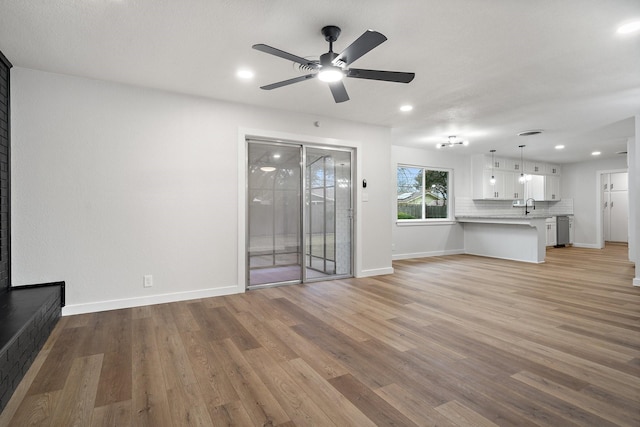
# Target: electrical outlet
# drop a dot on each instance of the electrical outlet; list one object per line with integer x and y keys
{"x": 148, "y": 281}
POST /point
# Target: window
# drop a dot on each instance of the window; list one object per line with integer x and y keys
{"x": 423, "y": 194}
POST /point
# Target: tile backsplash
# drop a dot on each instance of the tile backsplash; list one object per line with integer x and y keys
{"x": 467, "y": 206}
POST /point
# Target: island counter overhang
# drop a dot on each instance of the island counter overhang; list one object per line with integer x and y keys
{"x": 513, "y": 237}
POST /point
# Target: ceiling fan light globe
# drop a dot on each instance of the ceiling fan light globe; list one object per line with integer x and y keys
{"x": 330, "y": 74}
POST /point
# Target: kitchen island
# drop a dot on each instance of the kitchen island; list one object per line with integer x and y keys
{"x": 514, "y": 237}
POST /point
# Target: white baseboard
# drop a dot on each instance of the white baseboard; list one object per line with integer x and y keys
{"x": 427, "y": 254}
{"x": 507, "y": 258}
{"x": 93, "y": 307}
{"x": 587, "y": 245}
{"x": 636, "y": 281}
{"x": 375, "y": 272}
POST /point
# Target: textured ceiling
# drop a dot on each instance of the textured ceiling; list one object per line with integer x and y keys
{"x": 485, "y": 70}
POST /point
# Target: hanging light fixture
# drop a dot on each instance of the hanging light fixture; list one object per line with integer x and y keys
{"x": 522, "y": 178}
{"x": 492, "y": 181}
{"x": 451, "y": 142}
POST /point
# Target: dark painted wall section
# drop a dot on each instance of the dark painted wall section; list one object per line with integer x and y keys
{"x": 5, "y": 174}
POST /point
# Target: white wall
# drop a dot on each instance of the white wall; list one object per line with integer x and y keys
{"x": 421, "y": 240}
{"x": 111, "y": 182}
{"x": 579, "y": 181}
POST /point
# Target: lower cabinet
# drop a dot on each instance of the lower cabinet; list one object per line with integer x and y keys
{"x": 571, "y": 230}
{"x": 551, "y": 231}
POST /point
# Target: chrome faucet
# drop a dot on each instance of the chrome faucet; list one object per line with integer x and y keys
{"x": 526, "y": 205}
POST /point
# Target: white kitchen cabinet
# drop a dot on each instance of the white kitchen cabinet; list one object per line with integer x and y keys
{"x": 506, "y": 187}
{"x": 618, "y": 182}
{"x": 551, "y": 228}
{"x": 571, "y": 232}
{"x": 534, "y": 167}
{"x": 499, "y": 163}
{"x": 515, "y": 166}
{"x": 552, "y": 188}
{"x": 615, "y": 205}
{"x": 492, "y": 191}
{"x": 551, "y": 169}
{"x": 482, "y": 172}
{"x": 507, "y": 173}
{"x": 513, "y": 188}
{"x": 495, "y": 191}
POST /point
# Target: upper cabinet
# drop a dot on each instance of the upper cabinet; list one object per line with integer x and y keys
{"x": 539, "y": 168}
{"x": 535, "y": 168}
{"x": 543, "y": 183}
{"x": 497, "y": 163}
{"x": 516, "y": 166}
{"x": 551, "y": 188}
{"x": 552, "y": 169}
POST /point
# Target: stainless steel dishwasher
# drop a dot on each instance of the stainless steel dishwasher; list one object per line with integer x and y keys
{"x": 562, "y": 231}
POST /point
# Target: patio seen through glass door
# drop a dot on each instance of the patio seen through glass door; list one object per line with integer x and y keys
{"x": 300, "y": 216}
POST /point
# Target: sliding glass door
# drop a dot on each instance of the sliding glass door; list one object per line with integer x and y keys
{"x": 275, "y": 214}
{"x": 329, "y": 213}
{"x": 299, "y": 222}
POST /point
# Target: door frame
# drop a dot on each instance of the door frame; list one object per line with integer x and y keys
{"x": 296, "y": 139}
{"x": 599, "y": 217}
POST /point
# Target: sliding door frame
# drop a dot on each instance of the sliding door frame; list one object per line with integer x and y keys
{"x": 244, "y": 260}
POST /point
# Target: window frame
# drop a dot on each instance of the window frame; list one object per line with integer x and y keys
{"x": 450, "y": 219}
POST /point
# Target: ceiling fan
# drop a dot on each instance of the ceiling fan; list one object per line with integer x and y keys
{"x": 332, "y": 67}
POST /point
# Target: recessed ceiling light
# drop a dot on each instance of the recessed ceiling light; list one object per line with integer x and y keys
{"x": 406, "y": 108}
{"x": 596, "y": 153}
{"x": 629, "y": 27}
{"x": 276, "y": 156}
{"x": 244, "y": 74}
{"x": 559, "y": 147}
{"x": 267, "y": 168}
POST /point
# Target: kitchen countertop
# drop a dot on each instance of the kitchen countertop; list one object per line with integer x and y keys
{"x": 519, "y": 216}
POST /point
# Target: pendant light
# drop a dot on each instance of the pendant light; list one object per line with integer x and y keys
{"x": 492, "y": 181}
{"x": 522, "y": 178}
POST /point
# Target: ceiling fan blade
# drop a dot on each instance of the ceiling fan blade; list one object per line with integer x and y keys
{"x": 288, "y": 82}
{"x": 339, "y": 92}
{"x": 285, "y": 55}
{"x": 363, "y": 44}
{"x": 387, "y": 76}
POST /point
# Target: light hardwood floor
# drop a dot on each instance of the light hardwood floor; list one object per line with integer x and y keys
{"x": 447, "y": 341}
